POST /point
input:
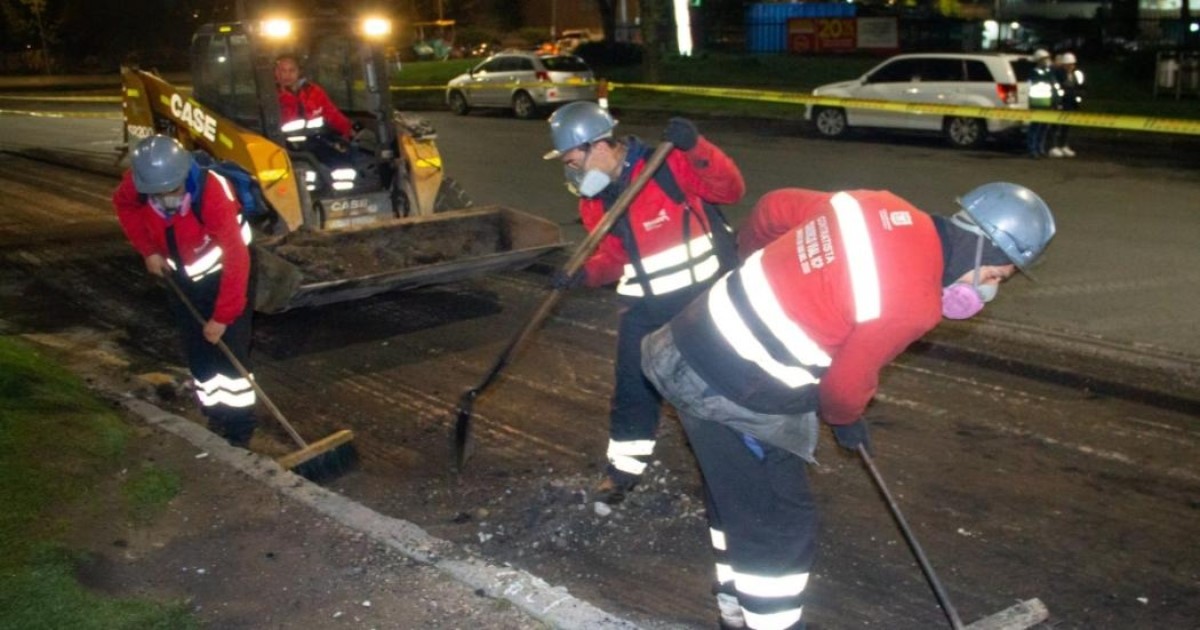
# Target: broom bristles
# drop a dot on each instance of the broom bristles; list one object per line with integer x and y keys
{"x": 326, "y": 458}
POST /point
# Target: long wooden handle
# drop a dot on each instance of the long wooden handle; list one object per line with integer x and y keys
{"x": 575, "y": 263}
{"x": 233, "y": 360}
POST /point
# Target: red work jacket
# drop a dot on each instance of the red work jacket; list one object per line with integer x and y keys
{"x": 656, "y": 223}
{"x": 217, "y": 243}
{"x": 308, "y": 102}
{"x": 834, "y": 286}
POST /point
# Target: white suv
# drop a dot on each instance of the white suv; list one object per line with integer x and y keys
{"x": 972, "y": 79}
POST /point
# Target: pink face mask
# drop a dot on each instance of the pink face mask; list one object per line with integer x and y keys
{"x": 961, "y": 301}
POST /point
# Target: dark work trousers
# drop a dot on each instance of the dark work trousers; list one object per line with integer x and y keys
{"x": 230, "y": 411}
{"x": 766, "y": 512}
{"x": 635, "y": 405}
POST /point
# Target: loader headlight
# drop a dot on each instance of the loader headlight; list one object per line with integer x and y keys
{"x": 277, "y": 28}
{"x": 376, "y": 27}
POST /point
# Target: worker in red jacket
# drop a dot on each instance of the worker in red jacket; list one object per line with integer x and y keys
{"x": 671, "y": 244}
{"x": 833, "y": 287}
{"x": 301, "y": 99}
{"x": 185, "y": 221}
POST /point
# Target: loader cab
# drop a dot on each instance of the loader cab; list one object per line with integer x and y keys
{"x": 233, "y": 74}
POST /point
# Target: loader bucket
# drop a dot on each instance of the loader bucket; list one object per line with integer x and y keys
{"x": 311, "y": 268}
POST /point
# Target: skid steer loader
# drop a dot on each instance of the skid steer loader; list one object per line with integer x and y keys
{"x": 335, "y": 219}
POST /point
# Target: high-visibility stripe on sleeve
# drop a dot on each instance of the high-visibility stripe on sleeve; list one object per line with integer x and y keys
{"x": 860, "y": 257}
{"x": 762, "y": 298}
{"x": 742, "y": 340}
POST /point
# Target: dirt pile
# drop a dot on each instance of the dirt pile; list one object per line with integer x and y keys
{"x": 325, "y": 256}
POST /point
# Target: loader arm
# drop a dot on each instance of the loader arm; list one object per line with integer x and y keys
{"x": 152, "y": 105}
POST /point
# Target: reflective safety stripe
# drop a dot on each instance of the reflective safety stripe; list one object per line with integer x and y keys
{"x": 789, "y": 585}
{"x": 772, "y": 621}
{"x": 210, "y": 262}
{"x": 734, "y": 329}
{"x": 623, "y": 455}
{"x": 762, "y": 298}
{"x": 223, "y": 390}
{"x": 699, "y": 250}
{"x": 724, "y": 573}
{"x": 718, "y": 539}
{"x": 864, "y": 276}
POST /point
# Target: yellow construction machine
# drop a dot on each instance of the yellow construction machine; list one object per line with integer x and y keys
{"x": 379, "y": 215}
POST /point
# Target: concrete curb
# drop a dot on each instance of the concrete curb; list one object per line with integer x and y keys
{"x": 552, "y": 605}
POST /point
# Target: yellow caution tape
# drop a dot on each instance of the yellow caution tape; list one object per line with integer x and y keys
{"x": 1075, "y": 119}
{"x": 492, "y": 86}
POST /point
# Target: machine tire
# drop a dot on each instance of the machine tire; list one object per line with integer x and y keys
{"x": 965, "y": 133}
{"x": 523, "y": 106}
{"x": 458, "y": 103}
{"x": 830, "y": 121}
{"x": 451, "y": 196}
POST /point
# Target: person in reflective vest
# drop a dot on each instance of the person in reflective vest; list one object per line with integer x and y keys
{"x": 1044, "y": 93}
{"x": 833, "y": 287}
{"x": 670, "y": 245}
{"x": 185, "y": 221}
{"x": 301, "y": 99}
{"x": 1069, "y": 79}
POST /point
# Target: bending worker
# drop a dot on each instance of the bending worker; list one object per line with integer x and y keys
{"x": 301, "y": 99}
{"x": 665, "y": 250}
{"x": 185, "y": 221}
{"x": 834, "y": 287}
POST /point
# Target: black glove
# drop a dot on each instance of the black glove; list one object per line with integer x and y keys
{"x": 562, "y": 282}
{"x": 681, "y": 133}
{"x": 849, "y": 436}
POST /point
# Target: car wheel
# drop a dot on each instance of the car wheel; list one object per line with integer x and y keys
{"x": 523, "y": 106}
{"x": 965, "y": 133}
{"x": 458, "y": 103}
{"x": 830, "y": 121}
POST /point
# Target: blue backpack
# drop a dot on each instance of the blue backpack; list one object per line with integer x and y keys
{"x": 247, "y": 191}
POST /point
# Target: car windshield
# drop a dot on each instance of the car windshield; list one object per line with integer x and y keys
{"x": 564, "y": 63}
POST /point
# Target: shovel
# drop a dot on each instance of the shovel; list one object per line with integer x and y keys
{"x": 463, "y": 442}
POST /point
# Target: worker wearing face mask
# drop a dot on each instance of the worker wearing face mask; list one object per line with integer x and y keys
{"x": 833, "y": 287}
{"x": 185, "y": 221}
{"x": 670, "y": 245}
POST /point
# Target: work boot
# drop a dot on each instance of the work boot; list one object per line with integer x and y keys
{"x": 615, "y": 485}
{"x": 1056, "y": 152}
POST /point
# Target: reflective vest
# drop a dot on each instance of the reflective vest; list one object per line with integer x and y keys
{"x": 808, "y": 321}
{"x": 1043, "y": 89}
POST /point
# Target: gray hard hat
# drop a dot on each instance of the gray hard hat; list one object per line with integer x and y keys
{"x": 576, "y": 124}
{"x": 160, "y": 164}
{"x": 1012, "y": 217}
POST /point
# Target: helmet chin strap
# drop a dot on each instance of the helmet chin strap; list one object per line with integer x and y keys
{"x": 978, "y": 260}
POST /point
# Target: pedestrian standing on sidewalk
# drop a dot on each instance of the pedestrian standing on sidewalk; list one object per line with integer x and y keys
{"x": 1070, "y": 82}
{"x": 1043, "y": 95}
{"x": 671, "y": 245}
{"x": 834, "y": 287}
{"x": 185, "y": 221}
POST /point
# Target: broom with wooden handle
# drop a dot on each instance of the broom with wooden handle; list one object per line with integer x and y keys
{"x": 318, "y": 460}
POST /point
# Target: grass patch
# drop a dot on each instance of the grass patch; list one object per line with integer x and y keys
{"x": 149, "y": 490}
{"x": 57, "y": 441}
